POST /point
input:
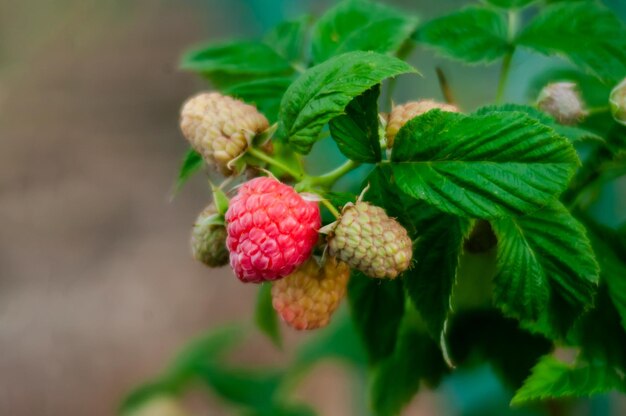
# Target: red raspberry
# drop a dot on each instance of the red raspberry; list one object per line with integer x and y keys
{"x": 271, "y": 230}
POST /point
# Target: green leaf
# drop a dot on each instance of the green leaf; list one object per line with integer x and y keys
{"x": 377, "y": 306}
{"x": 397, "y": 379}
{"x": 356, "y": 132}
{"x": 611, "y": 254}
{"x": 360, "y": 26}
{"x": 573, "y": 134}
{"x": 265, "y": 93}
{"x": 233, "y": 62}
{"x": 472, "y": 35}
{"x": 543, "y": 256}
{"x": 288, "y": 39}
{"x": 476, "y": 336}
{"x": 192, "y": 163}
{"x": 436, "y": 253}
{"x": 586, "y": 33}
{"x": 487, "y": 166}
{"x": 511, "y": 4}
{"x": 265, "y": 316}
{"x": 552, "y": 379}
{"x": 323, "y": 92}
{"x": 256, "y": 389}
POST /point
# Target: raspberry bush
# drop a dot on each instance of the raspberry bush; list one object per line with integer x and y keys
{"x": 469, "y": 236}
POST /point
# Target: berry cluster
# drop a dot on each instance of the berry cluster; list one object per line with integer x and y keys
{"x": 270, "y": 232}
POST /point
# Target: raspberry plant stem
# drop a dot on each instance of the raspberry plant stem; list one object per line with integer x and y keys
{"x": 297, "y": 175}
{"x": 328, "y": 180}
{"x": 331, "y": 208}
{"x": 513, "y": 20}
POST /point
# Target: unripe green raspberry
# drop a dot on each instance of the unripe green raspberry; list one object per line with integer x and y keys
{"x": 400, "y": 114}
{"x": 208, "y": 239}
{"x": 367, "y": 239}
{"x": 220, "y": 127}
{"x": 562, "y": 101}
{"x": 618, "y": 102}
{"x": 307, "y": 298}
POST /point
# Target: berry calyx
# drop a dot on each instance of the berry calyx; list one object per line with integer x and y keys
{"x": 401, "y": 114}
{"x": 307, "y": 298}
{"x": 562, "y": 101}
{"x": 208, "y": 238}
{"x": 271, "y": 230}
{"x": 367, "y": 239}
{"x": 220, "y": 128}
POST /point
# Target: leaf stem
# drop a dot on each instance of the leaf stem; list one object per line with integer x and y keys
{"x": 445, "y": 86}
{"x": 276, "y": 163}
{"x": 513, "y": 20}
{"x": 504, "y": 75}
{"x": 331, "y": 208}
{"x": 328, "y": 180}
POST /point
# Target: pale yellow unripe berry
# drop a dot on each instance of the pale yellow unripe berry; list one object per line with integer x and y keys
{"x": 618, "y": 102}
{"x": 220, "y": 127}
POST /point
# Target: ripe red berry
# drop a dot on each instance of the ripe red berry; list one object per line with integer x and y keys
{"x": 271, "y": 230}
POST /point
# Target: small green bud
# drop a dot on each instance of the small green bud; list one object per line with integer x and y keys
{"x": 562, "y": 101}
{"x": 617, "y": 101}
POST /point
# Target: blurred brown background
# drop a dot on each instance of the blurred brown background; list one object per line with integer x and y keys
{"x": 97, "y": 288}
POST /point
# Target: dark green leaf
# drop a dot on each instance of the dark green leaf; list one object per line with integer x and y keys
{"x": 192, "y": 163}
{"x": 323, "y": 92}
{"x": 552, "y": 379}
{"x": 288, "y": 39}
{"x": 265, "y": 93}
{"x": 476, "y": 336}
{"x": 397, "y": 379}
{"x": 586, "y": 33}
{"x": 486, "y": 166}
{"x": 473, "y": 35}
{"x": 611, "y": 252}
{"x": 356, "y": 132}
{"x": 511, "y": 4}
{"x": 542, "y": 256}
{"x": 436, "y": 254}
{"x": 265, "y": 317}
{"x": 234, "y": 62}
{"x": 574, "y": 134}
{"x": 360, "y": 26}
{"x": 377, "y": 307}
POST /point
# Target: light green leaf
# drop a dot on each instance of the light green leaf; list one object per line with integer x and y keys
{"x": 552, "y": 379}
{"x": 356, "y": 132}
{"x": 586, "y": 33}
{"x": 323, "y": 92}
{"x": 397, "y": 379}
{"x": 472, "y": 35}
{"x": 511, "y": 4}
{"x": 360, "y": 26}
{"x": 288, "y": 39}
{"x": 572, "y": 133}
{"x": 486, "y": 166}
{"x": 377, "y": 306}
{"x": 436, "y": 254}
{"x": 540, "y": 257}
{"x": 265, "y": 93}
{"x": 192, "y": 163}
{"x": 231, "y": 63}
{"x": 264, "y": 315}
